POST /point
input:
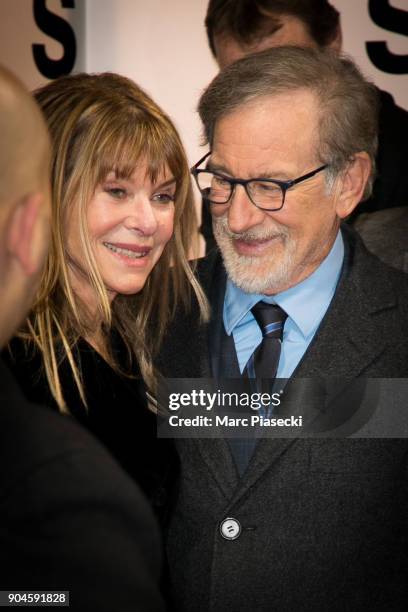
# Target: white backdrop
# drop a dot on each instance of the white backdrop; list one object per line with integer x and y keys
{"x": 19, "y": 31}
{"x": 162, "y": 45}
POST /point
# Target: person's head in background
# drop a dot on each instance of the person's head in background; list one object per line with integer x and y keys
{"x": 236, "y": 28}
{"x": 122, "y": 222}
{"x": 24, "y": 201}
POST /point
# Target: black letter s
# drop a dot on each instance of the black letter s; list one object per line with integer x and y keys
{"x": 394, "y": 20}
{"x": 57, "y": 28}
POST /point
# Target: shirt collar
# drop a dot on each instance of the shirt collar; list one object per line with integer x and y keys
{"x": 316, "y": 291}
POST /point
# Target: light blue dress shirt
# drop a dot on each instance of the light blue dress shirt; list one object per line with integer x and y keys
{"x": 305, "y": 305}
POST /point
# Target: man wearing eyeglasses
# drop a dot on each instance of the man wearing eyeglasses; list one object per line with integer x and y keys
{"x": 236, "y": 28}
{"x": 291, "y": 524}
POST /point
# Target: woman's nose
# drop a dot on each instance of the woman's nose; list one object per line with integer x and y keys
{"x": 141, "y": 216}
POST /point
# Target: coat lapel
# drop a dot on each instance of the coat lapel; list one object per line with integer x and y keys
{"x": 217, "y": 456}
{"x": 349, "y": 338}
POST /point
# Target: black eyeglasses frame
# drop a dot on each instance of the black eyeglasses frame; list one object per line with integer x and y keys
{"x": 284, "y": 185}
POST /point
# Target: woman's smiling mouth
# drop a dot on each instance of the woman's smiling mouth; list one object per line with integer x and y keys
{"x": 130, "y": 251}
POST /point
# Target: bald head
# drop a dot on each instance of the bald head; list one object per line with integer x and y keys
{"x": 23, "y": 138}
{"x": 24, "y": 200}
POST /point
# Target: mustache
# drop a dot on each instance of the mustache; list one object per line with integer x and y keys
{"x": 254, "y": 234}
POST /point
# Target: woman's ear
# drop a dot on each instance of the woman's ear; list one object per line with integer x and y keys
{"x": 25, "y": 233}
{"x": 352, "y": 184}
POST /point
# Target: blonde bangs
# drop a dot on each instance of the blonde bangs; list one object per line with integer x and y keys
{"x": 123, "y": 143}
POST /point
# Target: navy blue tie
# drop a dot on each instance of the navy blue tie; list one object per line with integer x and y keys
{"x": 264, "y": 361}
{"x": 263, "y": 364}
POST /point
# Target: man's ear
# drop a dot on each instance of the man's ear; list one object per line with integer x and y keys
{"x": 352, "y": 184}
{"x": 337, "y": 42}
{"x": 23, "y": 233}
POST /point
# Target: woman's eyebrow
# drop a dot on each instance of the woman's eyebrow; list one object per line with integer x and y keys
{"x": 171, "y": 181}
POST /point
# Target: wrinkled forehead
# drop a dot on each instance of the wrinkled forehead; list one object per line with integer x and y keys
{"x": 292, "y": 111}
{"x": 274, "y": 129}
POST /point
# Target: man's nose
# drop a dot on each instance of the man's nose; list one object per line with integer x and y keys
{"x": 242, "y": 213}
{"x": 141, "y": 216}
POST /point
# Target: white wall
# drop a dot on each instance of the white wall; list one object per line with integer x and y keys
{"x": 162, "y": 45}
{"x": 19, "y": 31}
{"x": 358, "y": 28}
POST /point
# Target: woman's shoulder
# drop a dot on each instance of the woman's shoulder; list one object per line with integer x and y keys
{"x": 25, "y": 361}
{"x": 104, "y": 386}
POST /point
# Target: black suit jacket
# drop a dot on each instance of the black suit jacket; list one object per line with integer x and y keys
{"x": 323, "y": 520}
{"x": 70, "y": 519}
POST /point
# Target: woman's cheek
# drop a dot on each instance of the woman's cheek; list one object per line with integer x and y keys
{"x": 167, "y": 226}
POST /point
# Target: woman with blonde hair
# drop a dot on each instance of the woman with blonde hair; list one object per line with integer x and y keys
{"x": 122, "y": 222}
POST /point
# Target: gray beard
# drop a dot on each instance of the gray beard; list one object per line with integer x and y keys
{"x": 258, "y": 274}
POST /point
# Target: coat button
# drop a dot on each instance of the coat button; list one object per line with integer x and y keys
{"x": 230, "y": 528}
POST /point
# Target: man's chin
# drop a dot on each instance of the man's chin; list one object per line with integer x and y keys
{"x": 250, "y": 275}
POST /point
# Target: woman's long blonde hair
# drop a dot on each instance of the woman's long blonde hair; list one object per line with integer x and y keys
{"x": 98, "y": 124}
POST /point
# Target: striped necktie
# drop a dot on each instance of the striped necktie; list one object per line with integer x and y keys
{"x": 263, "y": 364}
{"x": 264, "y": 361}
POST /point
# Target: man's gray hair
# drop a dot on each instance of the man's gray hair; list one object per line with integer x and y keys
{"x": 348, "y": 103}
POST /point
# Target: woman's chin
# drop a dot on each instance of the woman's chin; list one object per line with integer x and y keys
{"x": 126, "y": 289}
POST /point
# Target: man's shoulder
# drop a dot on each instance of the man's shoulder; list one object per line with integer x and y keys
{"x": 373, "y": 276}
{"x": 77, "y": 519}
{"x": 372, "y": 301}
{"x": 365, "y": 329}
{"x": 385, "y": 233}
{"x": 361, "y": 255}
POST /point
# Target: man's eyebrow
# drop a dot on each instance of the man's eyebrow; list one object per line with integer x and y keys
{"x": 217, "y": 168}
{"x": 278, "y": 175}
